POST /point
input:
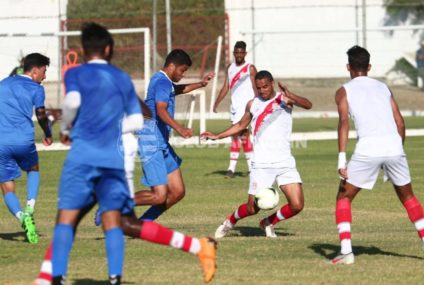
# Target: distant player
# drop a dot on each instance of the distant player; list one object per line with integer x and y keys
{"x": 270, "y": 115}
{"x": 19, "y": 94}
{"x": 240, "y": 81}
{"x": 161, "y": 165}
{"x": 381, "y": 133}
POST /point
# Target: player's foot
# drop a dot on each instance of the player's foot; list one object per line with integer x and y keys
{"x": 207, "y": 258}
{"x": 223, "y": 229}
{"x": 59, "y": 280}
{"x": 115, "y": 280}
{"x": 29, "y": 227}
{"x": 229, "y": 174}
{"x": 268, "y": 228}
{"x": 97, "y": 218}
{"x": 343, "y": 259}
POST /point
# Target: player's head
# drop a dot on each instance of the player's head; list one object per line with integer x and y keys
{"x": 35, "y": 65}
{"x": 359, "y": 61}
{"x": 96, "y": 42}
{"x": 239, "y": 52}
{"x": 176, "y": 64}
{"x": 264, "y": 84}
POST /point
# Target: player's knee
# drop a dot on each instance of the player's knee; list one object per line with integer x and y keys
{"x": 297, "y": 207}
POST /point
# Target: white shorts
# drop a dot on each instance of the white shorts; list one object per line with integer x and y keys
{"x": 265, "y": 177}
{"x": 363, "y": 170}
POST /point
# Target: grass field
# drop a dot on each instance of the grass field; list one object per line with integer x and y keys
{"x": 387, "y": 248}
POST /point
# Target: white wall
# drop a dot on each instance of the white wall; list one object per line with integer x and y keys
{"x": 314, "y": 54}
{"x": 29, "y": 17}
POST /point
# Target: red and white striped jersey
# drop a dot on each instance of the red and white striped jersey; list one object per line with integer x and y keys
{"x": 241, "y": 89}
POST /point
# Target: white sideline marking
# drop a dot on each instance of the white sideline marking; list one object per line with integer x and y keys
{"x": 306, "y": 136}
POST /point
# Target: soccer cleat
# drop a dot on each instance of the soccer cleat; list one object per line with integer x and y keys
{"x": 223, "y": 229}
{"x": 229, "y": 174}
{"x": 29, "y": 210}
{"x": 29, "y": 227}
{"x": 268, "y": 228}
{"x": 207, "y": 258}
{"x": 115, "y": 280}
{"x": 348, "y": 258}
{"x": 59, "y": 280}
{"x": 97, "y": 218}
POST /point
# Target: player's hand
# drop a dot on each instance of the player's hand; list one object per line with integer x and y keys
{"x": 64, "y": 138}
{"x": 286, "y": 93}
{"x": 47, "y": 141}
{"x": 215, "y": 109}
{"x": 343, "y": 173}
{"x": 208, "y": 136}
{"x": 208, "y": 77}
{"x": 185, "y": 132}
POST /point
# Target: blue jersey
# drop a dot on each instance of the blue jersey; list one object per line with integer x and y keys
{"x": 18, "y": 97}
{"x": 161, "y": 89}
{"x": 107, "y": 94}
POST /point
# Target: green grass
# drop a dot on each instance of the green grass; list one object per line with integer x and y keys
{"x": 385, "y": 242}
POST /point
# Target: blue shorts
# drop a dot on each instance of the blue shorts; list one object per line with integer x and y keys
{"x": 13, "y": 157}
{"x": 159, "y": 165}
{"x": 79, "y": 182}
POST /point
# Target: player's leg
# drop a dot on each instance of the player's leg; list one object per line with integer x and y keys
{"x": 204, "y": 248}
{"x": 247, "y": 146}
{"x": 234, "y": 155}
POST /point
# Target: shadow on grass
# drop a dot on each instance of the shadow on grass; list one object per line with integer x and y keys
{"x": 223, "y": 172}
{"x": 94, "y": 282}
{"x": 330, "y": 251}
{"x": 18, "y": 236}
{"x": 256, "y": 232}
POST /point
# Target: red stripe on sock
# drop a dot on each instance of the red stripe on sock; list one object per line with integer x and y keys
{"x": 45, "y": 276}
{"x": 242, "y": 213}
{"x": 421, "y": 233}
{"x": 287, "y": 212}
{"x": 235, "y": 145}
{"x": 414, "y": 209}
{"x": 48, "y": 254}
{"x": 187, "y": 243}
{"x": 345, "y": 235}
{"x": 343, "y": 211}
{"x": 247, "y": 145}
{"x": 156, "y": 233}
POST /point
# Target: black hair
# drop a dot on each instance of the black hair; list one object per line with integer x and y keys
{"x": 240, "y": 44}
{"x": 264, "y": 74}
{"x": 95, "y": 38}
{"x": 178, "y": 57}
{"x": 35, "y": 60}
{"x": 359, "y": 58}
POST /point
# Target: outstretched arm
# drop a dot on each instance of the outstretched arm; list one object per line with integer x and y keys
{"x": 234, "y": 129}
{"x": 161, "y": 109}
{"x": 342, "y": 130}
{"x": 186, "y": 88}
{"x": 222, "y": 93}
{"x": 292, "y": 99}
{"x": 400, "y": 123}
{"x": 44, "y": 123}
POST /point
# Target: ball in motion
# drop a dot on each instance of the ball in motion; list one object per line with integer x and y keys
{"x": 267, "y": 198}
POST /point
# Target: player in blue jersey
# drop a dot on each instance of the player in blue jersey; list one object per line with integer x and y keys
{"x": 19, "y": 95}
{"x": 161, "y": 165}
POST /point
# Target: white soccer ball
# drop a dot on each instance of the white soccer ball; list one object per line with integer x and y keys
{"x": 267, "y": 198}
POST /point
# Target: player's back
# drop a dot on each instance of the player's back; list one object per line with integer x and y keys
{"x": 370, "y": 108}
{"x": 97, "y": 128}
{"x": 18, "y": 96}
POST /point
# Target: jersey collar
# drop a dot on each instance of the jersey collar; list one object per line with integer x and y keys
{"x": 98, "y": 61}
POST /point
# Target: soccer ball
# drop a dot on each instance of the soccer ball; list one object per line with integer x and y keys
{"x": 267, "y": 198}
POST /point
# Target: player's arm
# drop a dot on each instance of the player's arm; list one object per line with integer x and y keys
{"x": 292, "y": 99}
{"x": 222, "y": 93}
{"x": 161, "y": 110}
{"x": 253, "y": 71}
{"x": 186, "y": 88}
{"x": 342, "y": 130}
{"x": 234, "y": 129}
{"x": 70, "y": 108}
{"x": 44, "y": 123}
{"x": 147, "y": 114}
{"x": 400, "y": 123}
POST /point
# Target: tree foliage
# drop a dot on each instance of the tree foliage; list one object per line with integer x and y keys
{"x": 404, "y": 12}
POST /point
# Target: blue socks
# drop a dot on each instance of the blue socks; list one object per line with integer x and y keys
{"x": 153, "y": 213}
{"x": 12, "y": 203}
{"x": 115, "y": 251}
{"x": 33, "y": 183}
{"x": 63, "y": 238}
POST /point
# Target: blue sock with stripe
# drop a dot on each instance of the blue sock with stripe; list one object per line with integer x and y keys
{"x": 63, "y": 238}
{"x": 153, "y": 213}
{"x": 12, "y": 203}
{"x": 33, "y": 183}
{"x": 115, "y": 250}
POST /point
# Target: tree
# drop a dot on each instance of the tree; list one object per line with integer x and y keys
{"x": 404, "y": 12}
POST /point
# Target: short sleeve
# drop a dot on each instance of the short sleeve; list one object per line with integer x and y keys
{"x": 71, "y": 83}
{"x": 39, "y": 97}
{"x": 163, "y": 91}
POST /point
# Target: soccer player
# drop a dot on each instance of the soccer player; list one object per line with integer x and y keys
{"x": 240, "y": 81}
{"x": 270, "y": 115}
{"x": 161, "y": 165}
{"x": 381, "y": 134}
{"x": 19, "y": 94}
